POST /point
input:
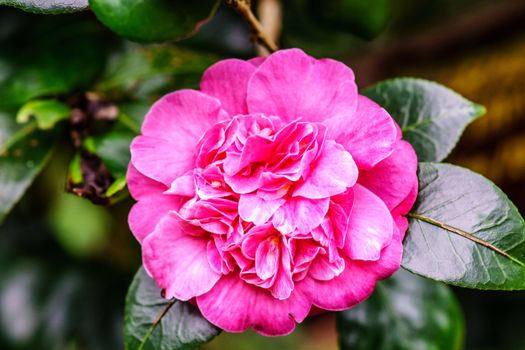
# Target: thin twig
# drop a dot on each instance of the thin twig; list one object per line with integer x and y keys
{"x": 270, "y": 14}
{"x": 244, "y": 8}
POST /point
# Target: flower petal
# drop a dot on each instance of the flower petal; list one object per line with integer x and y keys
{"x": 369, "y": 134}
{"x": 178, "y": 260}
{"x": 170, "y": 133}
{"x": 370, "y": 226}
{"x": 332, "y": 173}
{"x": 234, "y": 305}
{"x": 227, "y": 80}
{"x": 300, "y": 213}
{"x": 148, "y": 211}
{"x": 140, "y": 185}
{"x": 351, "y": 287}
{"x": 292, "y": 85}
{"x": 394, "y": 178}
{"x": 253, "y": 208}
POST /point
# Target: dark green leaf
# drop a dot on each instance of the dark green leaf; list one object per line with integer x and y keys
{"x": 147, "y": 72}
{"x": 464, "y": 231}
{"x": 405, "y": 312}
{"x": 22, "y": 156}
{"x": 113, "y": 149}
{"x": 53, "y": 55}
{"x": 181, "y": 327}
{"x": 46, "y": 113}
{"x": 49, "y": 300}
{"x": 431, "y": 116}
{"x": 154, "y": 20}
{"x": 361, "y": 17}
{"x": 48, "y": 6}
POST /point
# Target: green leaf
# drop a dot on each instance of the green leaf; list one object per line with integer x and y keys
{"x": 179, "y": 325}
{"x": 154, "y": 20}
{"x": 431, "y": 116}
{"x": 145, "y": 73}
{"x": 80, "y": 227}
{"x": 22, "y": 156}
{"x": 46, "y": 112}
{"x": 113, "y": 148}
{"x": 405, "y": 312}
{"x": 48, "y": 6}
{"x": 463, "y": 230}
{"x": 361, "y": 17}
{"x": 54, "y": 55}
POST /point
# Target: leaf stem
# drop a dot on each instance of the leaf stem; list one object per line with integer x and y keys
{"x": 157, "y": 320}
{"x": 245, "y": 10}
{"x": 465, "y": 235}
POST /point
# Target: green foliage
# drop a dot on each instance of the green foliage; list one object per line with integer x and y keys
{"x": 464, "y": 231}
{"x": 79, "y": 226}
{"x": 141, "y": 72}
{"x": 361, "y": 17}
{"x": 49, "y": 300}
{"x": 22, "y": 156}
{"x": 35, "y": 63}
{"x": 405, "y": 312}
{"x": 144, "y": 305}
{"x": 46, "y": 113}
{"x": 48, "y": 6}
{"x": 154, "y": 20}
{"x": 431, "y": 116}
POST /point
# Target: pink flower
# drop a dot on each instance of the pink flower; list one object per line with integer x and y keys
{"x": 274, "y": 188}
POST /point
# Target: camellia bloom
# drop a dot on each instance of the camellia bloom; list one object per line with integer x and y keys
{"x": 274, "y": 188}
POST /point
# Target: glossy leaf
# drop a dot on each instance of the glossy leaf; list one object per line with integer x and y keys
{"x": 145, "y": 73}
{"x": 48, "y": 6}
{"x": 464, "y": 231}
{"x": 431, "y": 116}
{"x": 180, "y": 324}
{"x": 361, "y": 17}
{"x": 154, "y": 20}
{"x": 404, "y": 312}
{"x": 49, "y": 300}
{"x": 34, "y": 63}
{"x": 113, "y": 148}
{"x": 22, "y": 156}
{"x": 46, "y": 113}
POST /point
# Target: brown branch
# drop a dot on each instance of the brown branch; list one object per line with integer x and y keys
{"x": 270, "y": 15}
{"x": 244, "y": 9}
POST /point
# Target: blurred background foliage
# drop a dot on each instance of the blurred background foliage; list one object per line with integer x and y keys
{"x": 65, "y": 263}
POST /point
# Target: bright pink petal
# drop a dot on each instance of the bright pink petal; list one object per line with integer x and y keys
{"x": 140, "y": 185}
{"x": 293, "y": 85}
{"x": 170, "y": 133}
{"x": 300, "y": 213}
{"x": 323, "y": 270}
{"x": 370, "y": 226}
{"x": 183, "y": 186}
{"x": 148, "y": 211}
{"x": 351, "y": 287}
{"x": 332, "y": 173}
{"x": 178, "y": 260}
{"x": 160, "y": 159}
{"x": 390, "y": 257}
{"x": 254, "y": 209}
{"x": 257, "y": 61}
{"x": 227, "y": 80}
{"x": 339, "y": 213}
{"x": 234, "y": 306}
{"x": 183, "y": 116}
{"x": 395, "y": 177}
{"x": 267, "y": 258}
{"x": 369, "y": 134}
